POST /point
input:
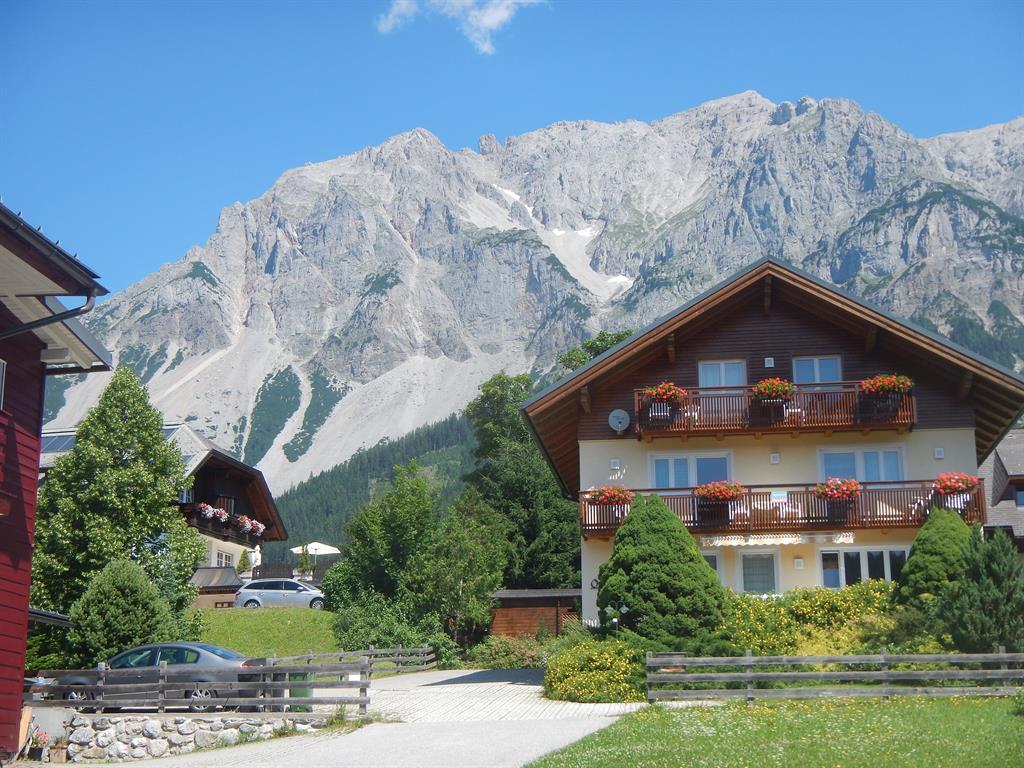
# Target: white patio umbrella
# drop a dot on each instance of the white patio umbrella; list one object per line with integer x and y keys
{"x": 315, "y": 548}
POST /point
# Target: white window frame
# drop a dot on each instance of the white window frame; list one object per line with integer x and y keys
{"x": 186, "y": 496}
{"x": 863, "y": 550}
{"x": 817, "y": 368}
{"x": 719, "y": 555}
{"x": 775, "y": 552}
{"x": 225, "y": 559}
{"x": 3, "y": 381}
{"x": 721, "y": 364}
{"x": 858, "y": 458}
{"x": 691, "y": 464}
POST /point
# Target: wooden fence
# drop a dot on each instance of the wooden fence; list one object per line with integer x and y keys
{"x": 671, "y": 676}
{"x": 268, "y": 684}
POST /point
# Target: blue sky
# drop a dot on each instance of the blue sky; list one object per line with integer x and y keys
{"x": 127, "y": 126}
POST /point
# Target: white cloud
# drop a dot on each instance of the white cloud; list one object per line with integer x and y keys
{"x": 478, "y": 19}
{"x": 400, "y": 12}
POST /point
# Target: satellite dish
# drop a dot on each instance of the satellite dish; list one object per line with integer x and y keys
{"x": 618, "y": 420}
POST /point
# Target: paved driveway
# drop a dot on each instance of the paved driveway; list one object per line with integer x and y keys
{"x": 452, "y": 719}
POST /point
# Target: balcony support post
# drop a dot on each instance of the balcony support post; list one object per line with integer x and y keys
{"x": 965, "y": 386}
{"x": 672, "y": 348}
{"x": 871, "y": 340}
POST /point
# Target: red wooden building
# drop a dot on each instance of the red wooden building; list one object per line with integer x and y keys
{"x": 38, "y": 337}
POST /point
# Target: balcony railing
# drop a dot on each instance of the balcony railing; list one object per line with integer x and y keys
{"x": 817, "y": 407}
{"x": 218, "y": 530}
{"x": 791, "y": 508}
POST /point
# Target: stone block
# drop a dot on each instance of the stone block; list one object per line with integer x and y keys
{"x": 186, "y": 727}
{"x": 205, "y": 739}
{"x": 83, "y": 735}
{"x": 152, "y": 728}
{"x": 158, "y": 747}
{"x": 227, "y": 736}
{"x": 105, "y": 738}
{"x": 138, "y": 752}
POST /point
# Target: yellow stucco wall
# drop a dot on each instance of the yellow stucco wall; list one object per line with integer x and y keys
{"x": 214, "y": 545}
{"x": 750, "y": 458}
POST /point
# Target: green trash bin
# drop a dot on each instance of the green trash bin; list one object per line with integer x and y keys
{"x": 301, "y": 693}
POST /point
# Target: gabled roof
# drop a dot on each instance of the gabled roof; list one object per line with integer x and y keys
{"x": 996, "y": 392}
{"x": 196, "y": 452}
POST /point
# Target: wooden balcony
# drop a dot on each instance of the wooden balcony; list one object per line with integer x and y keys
{"x": 217, "y": 529}
{"x": 794, "y": 508}
{"x": 814, "y": 408}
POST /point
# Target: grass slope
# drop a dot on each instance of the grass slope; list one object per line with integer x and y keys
{"x": 974, "y": 732}
{"x": 269, "y": 631}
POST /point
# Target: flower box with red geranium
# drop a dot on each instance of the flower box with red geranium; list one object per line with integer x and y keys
{"x": 662, "y": 399}
{"x": 887, "y": 383}
{"x": 838, "y": 489}
{"x": 720, "y": 490}
{"x": 955, "y": 482}
{"x": 774, "y": 389}
{"x": 611, "y": 496}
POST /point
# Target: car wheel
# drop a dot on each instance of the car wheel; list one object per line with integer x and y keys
{"x": 75, "y": 699}
{"x": 252, "y": 603}
{"x": 199, "y": 700}
{"x": 317, "y": 603}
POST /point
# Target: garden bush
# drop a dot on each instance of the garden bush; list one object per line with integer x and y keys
{"x": 120, "y": 609}
{"x": 761, "y": 625}
{"x": 657, "y": 584}
{"x": 822, "y": 608}
{"x": 936, "y": 558}
{"x": 382, "y": 623}
{"x": 507, "y": 652}
{"x": 596, "y": 671}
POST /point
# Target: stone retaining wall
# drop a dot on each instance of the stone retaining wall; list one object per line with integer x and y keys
{"x": 135, "y": 737}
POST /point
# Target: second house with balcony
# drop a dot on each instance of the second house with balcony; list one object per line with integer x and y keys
{"x": 798, "y": 433}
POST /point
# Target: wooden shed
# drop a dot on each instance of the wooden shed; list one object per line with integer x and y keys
{"x": 525, "y": 611}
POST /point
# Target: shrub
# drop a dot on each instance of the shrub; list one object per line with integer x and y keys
{"x": 936, "y": 558}
{"x": 760, "y": 625}
{"x": 377, "y": 621}
{"x": 596, "y": 671}
{"x": 1018, "y": 704}
{"x": 506, "y": 652}
{"x": 120, "y": 609}
{"x": 821, "y": 608}
{"x": 657, "y": 583}
{"x": 984, "y": 607}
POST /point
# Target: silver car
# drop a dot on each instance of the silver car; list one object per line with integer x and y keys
{"x": 276, "y": 593}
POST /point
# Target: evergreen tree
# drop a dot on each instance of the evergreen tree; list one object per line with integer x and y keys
{"x": 305, "y": 561}
{"x": 121, "y": 608}
{"x": 984, "y": 607}
{"x": 244, "y": 562}
{"x": 112, "y": 496}
{"x": 657, "y": 584}
{"x": 936, "y": 558}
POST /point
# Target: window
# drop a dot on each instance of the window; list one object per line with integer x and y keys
{"x": 186, "y": 496}
{"x": 3, "y": 378}
{"x": 227, "y": 503}
{"x": 688, "y": 470}
{"x": 177, "y": 655}
{"x": 865, "y": 465}
{"x": 1019, "y": 496}
{"x": 851, "y": 566}
{"x": 225, "y": 559}
{"x": 714, "y": 559}
{"x": 722, "y": 373}
{"x": 759, "y": 573}
{"x": 140, "y": 657}
{"x": 817, "y": 370}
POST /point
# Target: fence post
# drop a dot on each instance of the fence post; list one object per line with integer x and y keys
{"x": 372, "y": 658}
{"x": 647, "y": 674}
{"x": 750, "y": 676}
{"x": 1002, "y": 665}
{"x": 365, "y": 670}
{"x": 101, "y": 679}
{"x": 161, "y": 683}
{"x": 885, "y": 673}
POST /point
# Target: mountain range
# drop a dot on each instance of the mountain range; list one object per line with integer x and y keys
{"x": 365, "y": 296}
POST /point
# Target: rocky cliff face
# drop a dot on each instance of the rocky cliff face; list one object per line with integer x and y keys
{"x": 364, "y": 296}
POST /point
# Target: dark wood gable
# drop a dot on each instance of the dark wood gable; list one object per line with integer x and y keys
{"x": 773, "y": 310}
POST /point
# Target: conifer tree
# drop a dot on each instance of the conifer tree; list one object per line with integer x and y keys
{"x": 984, "y": 607}
{"x": 936, "y": 558}
{"x": 657, "y": 584}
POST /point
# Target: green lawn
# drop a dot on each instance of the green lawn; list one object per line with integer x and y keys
{"x": 903, "y": 732}
{"x": 270, "y": 631}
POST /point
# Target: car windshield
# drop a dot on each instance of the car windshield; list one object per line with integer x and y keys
{"x": 216, "y": 650}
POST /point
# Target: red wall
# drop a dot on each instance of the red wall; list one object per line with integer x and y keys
{"x": 20, "y": 424}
